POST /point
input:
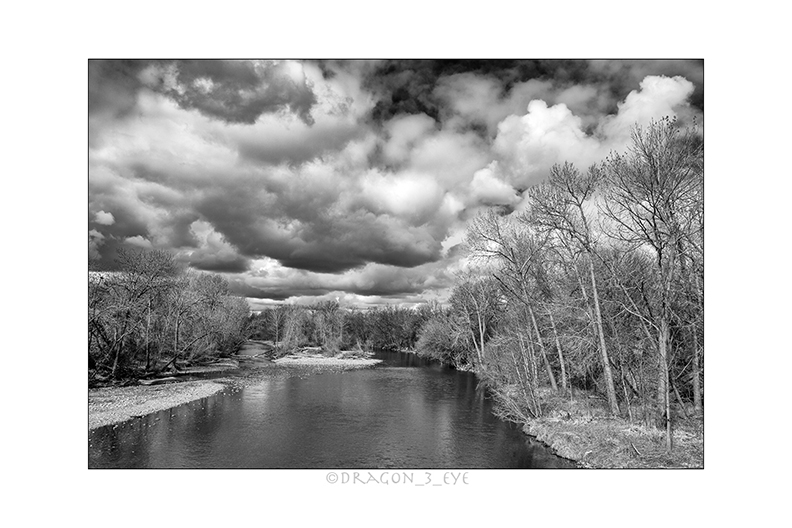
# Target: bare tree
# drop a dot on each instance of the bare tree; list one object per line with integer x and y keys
{"x": 651, "y": 190}
{"x": 329, "y": 321}
{"x": 561, "y": 207}
{"x": 477, "y": 299}
{"x": 118, "y": 301}
{"x": 516, "y": 255}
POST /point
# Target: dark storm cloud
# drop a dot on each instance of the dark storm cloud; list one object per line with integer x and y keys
{"x": 407, "y": 86}
{"x": 241, "y": 288}
{"x": 113, "y": 86}
{"x": 621, "y": 76}
{"x": 275, "y": 293}
{"x": 346, "y": 243}
{"x": 207, "y": 261}
{"x": 176, "y": 229}
{"x": 314, "y": 238}
{"x": 233, "y": 91}
{"x": 372, "y": 281}
{"x": 138, "y": 206}
{"x": 295, "y": 221}
{"x": 128, "y": 221}
{"x": 112, "y": 92}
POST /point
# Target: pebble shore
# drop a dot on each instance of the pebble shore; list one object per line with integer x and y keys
{"x": 113, "y": 405}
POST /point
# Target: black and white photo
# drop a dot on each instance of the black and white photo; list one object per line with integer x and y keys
{"x": 395, "y": 264}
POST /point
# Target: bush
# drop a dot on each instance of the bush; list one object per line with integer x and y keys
{"x": 439, "y": 339}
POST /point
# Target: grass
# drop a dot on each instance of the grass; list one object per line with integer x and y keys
{"x": 582, "y": 430}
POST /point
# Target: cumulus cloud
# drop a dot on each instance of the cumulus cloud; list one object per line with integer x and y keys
{"x": 487, "y": 189}
{"x": 527, "y": 146}
{"x": 104, "y": 218}
{"x": 474, "y": 99}
{"x": 139, "y": 242}
{"x": 213, "y": 252}
{"x": 451, "y": 156}
{"x": 657, "y": 97}
{"x": 404, "y": 132}
{"x": 411, "y": 196}
{"x": 621, "y": 76}
{"x": 591, "y": 90}
{"x": 355, "y": 179}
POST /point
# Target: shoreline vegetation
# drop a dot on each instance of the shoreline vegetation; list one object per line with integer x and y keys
{"x": 579, "y": 428}
{"x": 583, "y": 314}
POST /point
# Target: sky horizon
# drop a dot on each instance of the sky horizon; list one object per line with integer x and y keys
{"x": 303, "y": 181}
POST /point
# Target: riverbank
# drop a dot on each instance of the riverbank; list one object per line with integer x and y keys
{"x": 113, "y": 405}
{"x": 581, "y": 430}
{"x": 318, "y": 360}
{"x": 616, "y": 443}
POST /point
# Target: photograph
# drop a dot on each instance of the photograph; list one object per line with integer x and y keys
{"x": 396, "y": 269}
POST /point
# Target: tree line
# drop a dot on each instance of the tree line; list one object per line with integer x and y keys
{"x": 154, "y": 314}
{"x": 597, "y": 284}
{"x": 333, "y": 328}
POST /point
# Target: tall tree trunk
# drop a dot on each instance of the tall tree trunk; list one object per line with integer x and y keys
{"x": 626, "y": 392}
{"x": 117, "y": 347}
{"x": 176, "y": 344}
{"x": 148, "y": 328}
{"x": 476, "y": 348}
{"x": 482, "y": 329}
{"x": 560, "y": 352}
{"x": 550, "y": 374}
{"x": 644, "y": 392}
{"x": 119, "y": 343}
{"x": 695, "y": 285}
{"x": 523, "y": 381}
{"x": 679, "y": 399}
{"x": 697, "y": 400}
{"x": 529, "y": 375}
{"x": 608, "y": 374}
{"x": 535, "y": 377}
{"x": 664, "y": 382}
{"x": 532, "y": 358}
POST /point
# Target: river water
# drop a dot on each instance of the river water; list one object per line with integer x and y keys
{"x": 405, "y": 413}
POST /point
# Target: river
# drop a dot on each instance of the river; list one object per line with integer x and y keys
{"x": 405, "y": 413}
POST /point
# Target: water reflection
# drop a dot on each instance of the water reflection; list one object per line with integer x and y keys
{"x": 406, "y": 413}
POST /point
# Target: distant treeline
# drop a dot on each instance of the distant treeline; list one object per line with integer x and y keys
{"x": 154, "y": 314}
{"x": 333, "y": 328}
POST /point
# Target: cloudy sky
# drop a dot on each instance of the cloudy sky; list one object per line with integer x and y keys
{"x": 307, "y": 180}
